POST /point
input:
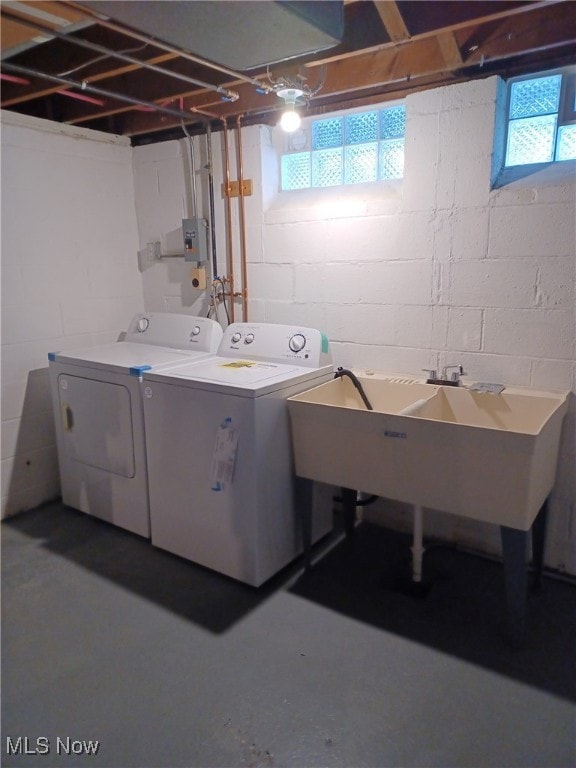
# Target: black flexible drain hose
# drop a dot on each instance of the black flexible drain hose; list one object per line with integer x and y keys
{"x": 340, "y": 372}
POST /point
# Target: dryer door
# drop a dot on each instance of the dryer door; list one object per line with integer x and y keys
{"x": 97, "y": 424}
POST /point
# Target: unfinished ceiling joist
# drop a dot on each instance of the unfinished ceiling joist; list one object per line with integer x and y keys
{"x": 145, "y": 86}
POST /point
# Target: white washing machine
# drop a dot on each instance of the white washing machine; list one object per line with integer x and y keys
{"x": 97, "y": 399}
{"x": 220, "y": 465}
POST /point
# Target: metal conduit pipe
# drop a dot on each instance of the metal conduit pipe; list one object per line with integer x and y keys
{"x": 228, "y": 215}
{"x": 231, "y": 95}
{"x": 259, "y": 84}
{"x": 211, "y": 199}
{"x": 194, "y": 211}
{"x": 243, "y": 256}
{"x": 84, "y": 86}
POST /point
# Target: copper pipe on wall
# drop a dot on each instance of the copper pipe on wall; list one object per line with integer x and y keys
{"x": 243, "y": 256}
{"x": 228, "y": 216}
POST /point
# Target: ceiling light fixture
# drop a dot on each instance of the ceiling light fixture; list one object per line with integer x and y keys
{"x": 291, "y": 89}
{"x": 290, "y": 119}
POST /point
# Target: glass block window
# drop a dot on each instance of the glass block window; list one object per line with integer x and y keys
{"x": 361, "y": 163}
{"x": 354, "y": 149}
{"x": 566, "y": 142}
{"x": 296, "y": 171}
{"x": 392, "y": 122}
{"x": 535, "y": 97}
{"x": 327, "y": 133}
{"x": 327, "y": 167}
{"x": 361, "y": 128}
{"x": 541, "y": 119}
{"x": 391, "y": 159}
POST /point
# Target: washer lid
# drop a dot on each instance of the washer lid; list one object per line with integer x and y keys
{"x": 244, "y": 377}
{"x": 122, "y": 356}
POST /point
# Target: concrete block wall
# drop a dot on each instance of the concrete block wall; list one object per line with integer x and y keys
{"x": 69, "y": 279}
{"x": 439, "y": 268}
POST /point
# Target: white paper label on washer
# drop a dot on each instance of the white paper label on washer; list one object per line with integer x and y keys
{"x": 224, "y": 458}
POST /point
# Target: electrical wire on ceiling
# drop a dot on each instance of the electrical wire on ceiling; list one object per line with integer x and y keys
{"x": 225, "y": 93}
{"x": 97, "y": 59}
{"x": 298, "y": 82}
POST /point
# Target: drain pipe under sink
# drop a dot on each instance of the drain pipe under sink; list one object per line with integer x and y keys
{"x": 416, "y": 586}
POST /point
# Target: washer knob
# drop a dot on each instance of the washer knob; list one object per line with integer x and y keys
{"x": 143, "y": 324}
{"x": 236, "y": 337}
{"x": 196, "y": 330}
{"x": 249, "y": 338}
{"x": 297, "y": 342}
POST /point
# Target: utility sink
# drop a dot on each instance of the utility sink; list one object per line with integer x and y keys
{"x": 490, "y": 457}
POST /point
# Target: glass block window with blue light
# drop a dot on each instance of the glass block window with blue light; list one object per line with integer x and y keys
{"x": 541, "y": 125}
{"x": 327, "y": 167}
{"x": 327, "y": 133}
{"x": 354, "y": 149}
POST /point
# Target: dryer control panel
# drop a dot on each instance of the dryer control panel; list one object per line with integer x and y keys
{"x": 276, "y": 343}
{"x": 176, "y": 331}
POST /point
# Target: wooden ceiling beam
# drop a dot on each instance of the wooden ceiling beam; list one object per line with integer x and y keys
{"x": 543, "y": 5}
{"x": 450, "y": 50}
{"x": 393, "y": 67}
{"x": 392, "y": 20}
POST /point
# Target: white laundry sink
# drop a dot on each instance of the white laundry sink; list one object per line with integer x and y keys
{"x": 490, "y": 457}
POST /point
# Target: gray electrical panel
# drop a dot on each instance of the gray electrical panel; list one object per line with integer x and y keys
{"x": 195, "y": 240}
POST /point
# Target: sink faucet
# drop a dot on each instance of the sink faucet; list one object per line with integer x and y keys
{"x": 453, "y": 381}
{"x": 455, "y": 377}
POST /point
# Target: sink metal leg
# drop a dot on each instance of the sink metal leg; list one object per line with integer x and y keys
{"x": 514, "y": 550}
{"x": 538, "y": 545}
{"x": 417, "y": 544}
{"x": 349, "y": 498}
{"x": 514, "y": 544}
{"x": 304, "y": 497}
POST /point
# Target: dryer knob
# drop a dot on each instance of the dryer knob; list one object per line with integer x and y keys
{"x": 236, "y": 337}
{"x": 196, "y": 330}
{"x": 143, "y": 324}
{"x": 297, "y": 342}
{"x": 249, "y": 338}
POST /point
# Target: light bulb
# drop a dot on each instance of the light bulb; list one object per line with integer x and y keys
{"x": 290, "y": 121}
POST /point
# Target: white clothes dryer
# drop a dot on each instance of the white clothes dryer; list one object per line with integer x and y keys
{"x": 97, "y": 400}
{"x": 219, "y": 451}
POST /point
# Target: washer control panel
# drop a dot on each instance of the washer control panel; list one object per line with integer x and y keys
{"x": 276, "y": 343}
{"x": 176, "y": 331}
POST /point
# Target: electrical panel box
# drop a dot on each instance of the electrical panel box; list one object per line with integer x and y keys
{"x": 195, "y": 240}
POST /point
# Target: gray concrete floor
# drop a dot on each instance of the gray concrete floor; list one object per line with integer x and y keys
{"x": 166, "y": 664}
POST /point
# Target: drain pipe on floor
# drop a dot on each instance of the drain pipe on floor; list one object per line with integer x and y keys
{"x": 416, "y": 587}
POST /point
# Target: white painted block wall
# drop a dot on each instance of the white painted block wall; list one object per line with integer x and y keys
{"x": 436, "y": 269}
{"x": 69, "y": 279}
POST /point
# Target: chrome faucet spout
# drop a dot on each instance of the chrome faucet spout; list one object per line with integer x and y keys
{"x": 453, "y": 381}
{"x": 455, "y": 376}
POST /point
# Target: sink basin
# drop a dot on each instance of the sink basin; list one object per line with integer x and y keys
{"x": 490, "y": 457}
